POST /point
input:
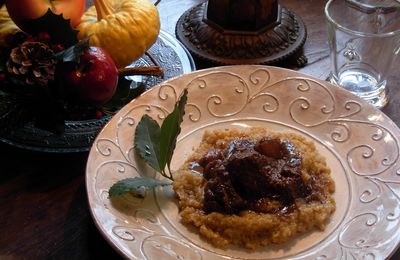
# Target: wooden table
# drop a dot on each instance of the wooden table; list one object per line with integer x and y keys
{"x": 44, "y": 212}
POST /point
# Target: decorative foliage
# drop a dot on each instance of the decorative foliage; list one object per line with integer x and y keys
{"x": 73, "y": 53}
{"x": 58, "y": 28}
{"x": 126, "y": 91}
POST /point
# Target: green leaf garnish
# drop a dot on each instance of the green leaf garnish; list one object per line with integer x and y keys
{"x": 137, "y": 186}
{"x": 147, "y": 142}
{"x": 155, "y": 145}
{"x": 170, "y": 129}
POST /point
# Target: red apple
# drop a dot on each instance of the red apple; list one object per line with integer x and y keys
{"x": 93, "y": 80}
{"x": 21, "y": 11}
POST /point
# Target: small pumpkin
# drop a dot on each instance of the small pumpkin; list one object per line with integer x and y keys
{"x": 7, "y": 26}
{"x": 124, "y": 28}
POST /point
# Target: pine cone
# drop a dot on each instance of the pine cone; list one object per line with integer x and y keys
{"x": 32, "y": 63}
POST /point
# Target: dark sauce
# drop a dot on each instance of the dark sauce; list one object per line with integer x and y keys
{"x": 263, "y": 176}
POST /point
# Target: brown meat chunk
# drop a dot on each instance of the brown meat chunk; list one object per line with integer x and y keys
{"x": 246, "y": 174}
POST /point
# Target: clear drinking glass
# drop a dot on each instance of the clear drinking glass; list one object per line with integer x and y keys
{"x": 364, "y": 39}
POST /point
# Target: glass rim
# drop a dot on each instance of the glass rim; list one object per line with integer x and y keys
{"x": 345, "y": 29}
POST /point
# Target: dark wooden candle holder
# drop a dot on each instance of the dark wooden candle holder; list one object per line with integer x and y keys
{"x": 228, "y": 32}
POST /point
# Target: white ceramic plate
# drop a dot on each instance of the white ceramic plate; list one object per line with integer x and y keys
{"x": 360, "y": 143}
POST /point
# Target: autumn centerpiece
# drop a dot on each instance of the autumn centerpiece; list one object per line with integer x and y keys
{"x": 57, "y": 65}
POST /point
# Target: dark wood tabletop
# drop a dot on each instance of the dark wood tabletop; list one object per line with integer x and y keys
{"x": 44, "y": 213}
